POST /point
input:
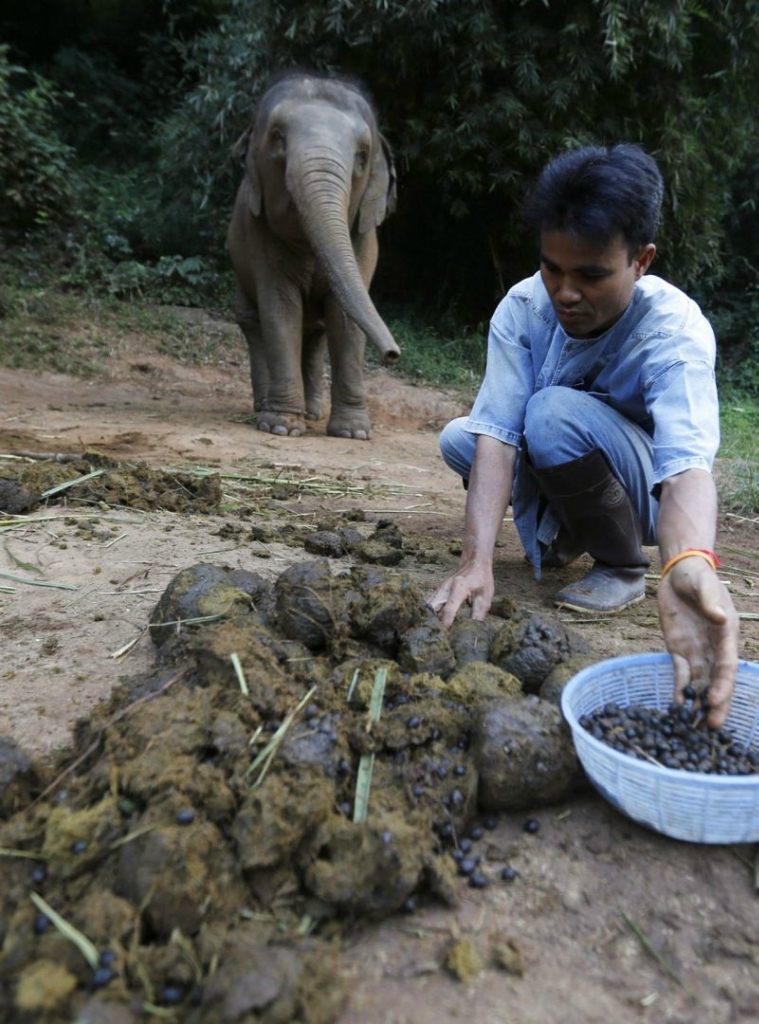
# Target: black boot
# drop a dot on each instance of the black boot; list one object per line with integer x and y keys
{"x": 598, "y": 515}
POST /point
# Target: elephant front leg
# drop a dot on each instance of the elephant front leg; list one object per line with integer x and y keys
{"x": 348, "y": 415}
{"x": 247, "y": 317}
{"x": 314, "y": 350}
{"x": 284, "y": 410}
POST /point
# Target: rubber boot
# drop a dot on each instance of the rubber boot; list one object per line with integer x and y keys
{"x": 563, "y": 550}
{"x": 599, "y": 518}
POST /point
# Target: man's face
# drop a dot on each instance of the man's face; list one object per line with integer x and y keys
{"x": 590, "y": 286}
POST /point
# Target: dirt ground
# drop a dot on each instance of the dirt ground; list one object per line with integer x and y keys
{"x": 610, "y": 921}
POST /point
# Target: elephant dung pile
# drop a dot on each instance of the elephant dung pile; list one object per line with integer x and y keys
{"x": 307, "y": 753}
{"x": 100, "y": 480}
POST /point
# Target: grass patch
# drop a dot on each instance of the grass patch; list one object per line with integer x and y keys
{"x": 737, "y": 468}
{"x": 437, "y": 360}
{"x": 739, "y": 419}
{"x": 44, "y": 328}
{"x": 41, "y": 329}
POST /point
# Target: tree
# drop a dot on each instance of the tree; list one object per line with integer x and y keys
{"x": 474, "y": 96}
{"x": 35, "y": 164}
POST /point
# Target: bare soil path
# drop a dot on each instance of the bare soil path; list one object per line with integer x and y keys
{"x": 582, "y": 878}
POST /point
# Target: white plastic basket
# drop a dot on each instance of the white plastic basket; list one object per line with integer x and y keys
{"x": 691, "y": 806}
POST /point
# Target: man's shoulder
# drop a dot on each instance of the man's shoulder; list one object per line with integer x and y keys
{"x": 663, "y": 313}
{"x": 524, "y": 300}
{"x": 656, "y": 297}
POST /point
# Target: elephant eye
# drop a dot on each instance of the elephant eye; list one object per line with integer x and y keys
{"x": 361, "y": 160}
{"x": 277, "y": 141}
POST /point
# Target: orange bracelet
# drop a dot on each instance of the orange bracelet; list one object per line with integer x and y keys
{"x": 709, "y": 556}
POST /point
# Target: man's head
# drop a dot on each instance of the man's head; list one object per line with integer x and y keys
{"x": 599, "y": 193}
{"x": 597, "y": 211}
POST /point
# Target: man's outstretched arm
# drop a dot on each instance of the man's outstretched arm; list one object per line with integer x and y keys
{"x": 488, "y": 497}
{"x": 697, "y": 615}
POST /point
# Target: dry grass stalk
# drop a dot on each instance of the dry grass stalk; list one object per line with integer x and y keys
{"x": 21, "y": 564}
{"x": 38, "y": 583}
{"x": 68, "y": 931}
{"x": 159, "y": 1011}
{"x": 71, "y": 483}
{"x": 363, "y": 787}
{"x": 266, "y": 756}
{"x": 187, "y": 622}
{"x": 353, "y": 682}
{"x": 7, "y": 852}
{"x": 122, "y": 652}
{"x": 132, "y": 835}
{"x": 235, "y": 659}
{"x": 647, "y": 945}
{"x": 366, "y": 763}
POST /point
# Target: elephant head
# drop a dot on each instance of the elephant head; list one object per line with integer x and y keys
{"x": 320, "y": 173}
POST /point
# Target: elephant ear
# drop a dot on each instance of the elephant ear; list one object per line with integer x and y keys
{"x": 250, "y": 186}
{"x": 379, "y": 198}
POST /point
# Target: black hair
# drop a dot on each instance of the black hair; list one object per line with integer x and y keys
{"x": 598, "y": 193}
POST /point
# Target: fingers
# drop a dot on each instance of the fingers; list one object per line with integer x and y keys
{"x": 682, "y": 676}
{"x": 719, "y": 705}
{"x": 480, "y": 608}
{"x": 448, "y": 598}
{"x": 701, "y": 631}
{"x": 722, "y": 683}
{"x": 463, "y": 587}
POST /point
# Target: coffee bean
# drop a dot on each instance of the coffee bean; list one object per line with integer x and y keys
{"x": 673, "y": 738}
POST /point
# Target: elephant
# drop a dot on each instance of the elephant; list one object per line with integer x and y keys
{"x": 318, "y": 179}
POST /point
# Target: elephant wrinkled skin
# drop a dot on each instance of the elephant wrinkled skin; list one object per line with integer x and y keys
{"x": 318, "y": 180}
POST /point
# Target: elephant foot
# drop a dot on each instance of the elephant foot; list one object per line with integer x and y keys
{"x": 281, "y": 424}
{"x": 350, "y": 425}
{"x": 314, "y": 409}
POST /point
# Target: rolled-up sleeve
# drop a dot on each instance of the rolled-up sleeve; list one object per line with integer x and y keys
{"x": 684, "y": 404}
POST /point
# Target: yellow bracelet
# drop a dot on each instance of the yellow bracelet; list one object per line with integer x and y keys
{"x": 709, "y": 556}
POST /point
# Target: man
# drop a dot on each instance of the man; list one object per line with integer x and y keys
{"x": 597, "y": 419}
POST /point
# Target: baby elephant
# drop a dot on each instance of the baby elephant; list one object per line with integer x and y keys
{"x": 318, "y": 179}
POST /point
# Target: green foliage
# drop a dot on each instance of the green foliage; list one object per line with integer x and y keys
{"x": 46, "y": 328}
{"x": 35, "y": 164}
{"x": 451, "y": 359}
{"x": 105, "y": 118}
{"x": 737, "y": 468}
{"x": 41, "y": 329}
{"x": 475, "y": 96}
{"x": 112, "y": 248}
{"x": 735, "y": 319}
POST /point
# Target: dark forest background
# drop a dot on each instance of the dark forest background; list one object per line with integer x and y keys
{"x": 117, "y": 119}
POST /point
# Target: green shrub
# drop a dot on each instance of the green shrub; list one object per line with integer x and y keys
{"x": 36, "y": 166}
{"x": 735, "y": 319}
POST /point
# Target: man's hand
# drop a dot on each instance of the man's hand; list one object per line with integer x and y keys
{"x": 473, "y": 583}
{"x": 700, "y": 626}
{"x": 486, "y": 502}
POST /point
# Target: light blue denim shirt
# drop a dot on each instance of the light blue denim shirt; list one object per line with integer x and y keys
{"x": 655, "y": 366}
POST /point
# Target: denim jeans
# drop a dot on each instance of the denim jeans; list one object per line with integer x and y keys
{"x": 562, "y": 424}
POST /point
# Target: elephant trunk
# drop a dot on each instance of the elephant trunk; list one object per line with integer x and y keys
{"x": 321, "y": 199}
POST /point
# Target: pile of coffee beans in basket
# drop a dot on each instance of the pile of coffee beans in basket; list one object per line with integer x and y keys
{"x": 675, "y": 738}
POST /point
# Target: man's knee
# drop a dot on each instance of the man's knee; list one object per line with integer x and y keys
{"x": 457, "y": 447}
{"x": 553, "y": 416}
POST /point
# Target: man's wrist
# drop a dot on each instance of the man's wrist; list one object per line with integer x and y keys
{"x": 703, "y": 553}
